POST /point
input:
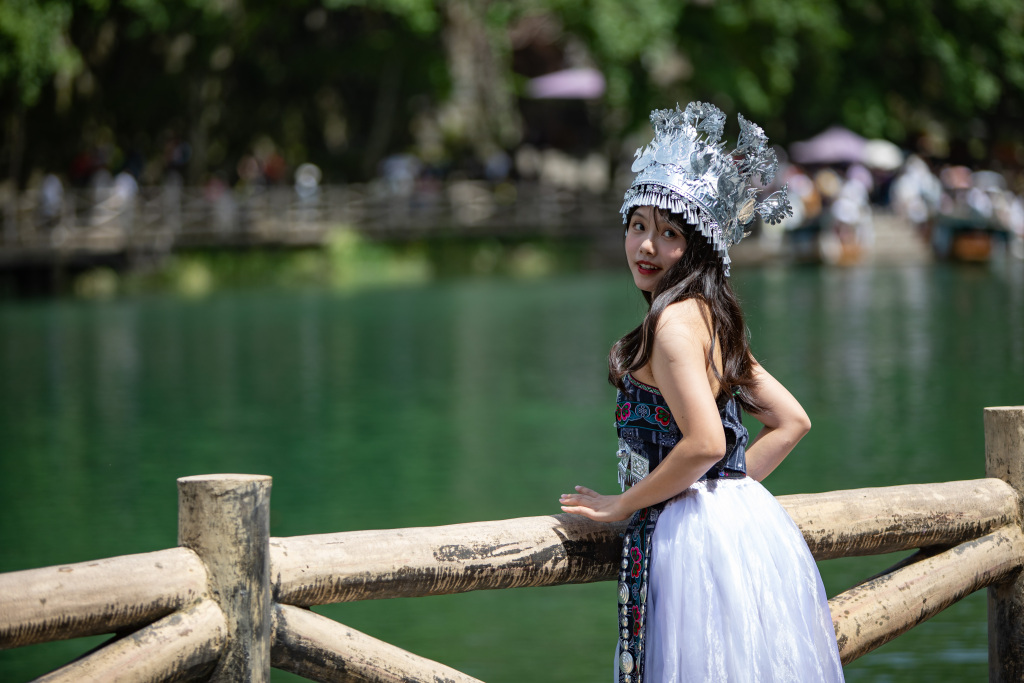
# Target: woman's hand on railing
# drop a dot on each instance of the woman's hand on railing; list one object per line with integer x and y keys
{"x": 592, "y": 504}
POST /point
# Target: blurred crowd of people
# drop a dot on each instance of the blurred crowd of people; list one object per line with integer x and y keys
{"x": 834, "y": 207}
{"x": 957, "y": 199}
{"x": 831, "y": 211}
{"x": 103, "y": 182}
{"x": 834, "y": 204}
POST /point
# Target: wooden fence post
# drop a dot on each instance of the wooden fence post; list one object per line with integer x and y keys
{"x": 1004, "y": 459}
{"x": 225, "y": 519}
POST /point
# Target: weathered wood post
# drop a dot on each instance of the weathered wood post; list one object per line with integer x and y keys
{"x": 1004, "y": 459}
{"x": 225, "y": 519}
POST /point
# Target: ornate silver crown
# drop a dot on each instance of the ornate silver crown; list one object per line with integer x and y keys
{"x": 686, "y": 170}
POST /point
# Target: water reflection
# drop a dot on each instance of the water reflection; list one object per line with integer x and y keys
{"x": 474, "y": 400}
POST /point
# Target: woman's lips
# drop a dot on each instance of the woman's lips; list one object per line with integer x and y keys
{"x": 646, "y": 267}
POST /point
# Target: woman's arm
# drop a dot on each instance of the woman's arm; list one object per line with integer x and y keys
{"x": 679, "y": 366}
{"x": 785, "y": 423}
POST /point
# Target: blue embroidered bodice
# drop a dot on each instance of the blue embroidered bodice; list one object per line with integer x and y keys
{"x": 647, "y": 432}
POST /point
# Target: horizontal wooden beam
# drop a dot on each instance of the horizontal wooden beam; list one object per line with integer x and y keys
{"x": 126, "y": 592}
{"x": 544, "y": 551}
{"x": 875, "y": 612}
{"x": 182, "y": 646}
{"x": 320, "y": 649}
{"x": 365, "y": 565}
{"x": 89, "y": 598}
{"x": 875, "y": 521}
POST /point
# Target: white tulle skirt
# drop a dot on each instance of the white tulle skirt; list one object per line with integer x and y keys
{"x": 734, "y": 592}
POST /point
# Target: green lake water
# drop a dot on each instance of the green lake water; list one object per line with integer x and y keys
{"x": 475, "y": 399}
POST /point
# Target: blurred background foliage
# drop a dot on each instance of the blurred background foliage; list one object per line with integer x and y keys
{"x": 345, "y": 83}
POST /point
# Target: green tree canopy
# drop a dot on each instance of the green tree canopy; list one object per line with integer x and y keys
{"x": 345, "y": 82}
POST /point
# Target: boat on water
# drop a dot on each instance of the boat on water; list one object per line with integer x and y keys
{"x": 975, "y": 216}
{"x": 967, "y": 238}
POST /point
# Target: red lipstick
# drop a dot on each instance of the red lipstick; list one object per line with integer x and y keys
{"x": 646, "y": 267}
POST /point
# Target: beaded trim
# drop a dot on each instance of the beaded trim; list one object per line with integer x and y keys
{"x": 633, "y": 576}
{"x": 640, "y": 385}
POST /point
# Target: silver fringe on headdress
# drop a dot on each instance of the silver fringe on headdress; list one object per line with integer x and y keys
{"x": 686, "y": 170}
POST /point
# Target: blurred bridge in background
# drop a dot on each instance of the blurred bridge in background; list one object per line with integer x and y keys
{"x": 87, "y": 226}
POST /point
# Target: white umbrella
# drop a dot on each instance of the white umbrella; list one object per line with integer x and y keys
{"x": 882, "y": 155}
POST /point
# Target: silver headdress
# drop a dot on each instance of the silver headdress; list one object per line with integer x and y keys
{"x": 686, "y": 170}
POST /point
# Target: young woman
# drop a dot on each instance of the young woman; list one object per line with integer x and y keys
{"x": 716, "y": 582}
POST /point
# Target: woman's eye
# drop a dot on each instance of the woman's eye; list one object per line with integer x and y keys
{"x": 669, "y": 233}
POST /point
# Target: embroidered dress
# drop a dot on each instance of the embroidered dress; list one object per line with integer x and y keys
{"x": 716, "y": 584}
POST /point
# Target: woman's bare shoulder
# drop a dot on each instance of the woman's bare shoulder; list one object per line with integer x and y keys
{"x": 688, "y": 317}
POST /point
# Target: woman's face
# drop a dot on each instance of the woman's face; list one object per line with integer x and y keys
{"x": 653, "y": 245}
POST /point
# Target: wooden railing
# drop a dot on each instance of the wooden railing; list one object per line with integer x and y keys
{"x": 230, "y": 600}
{"x": 172, "y": 216}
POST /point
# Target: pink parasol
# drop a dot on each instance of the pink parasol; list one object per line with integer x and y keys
{"x": 569, "y": 84}
{"x": 837, "y": 145}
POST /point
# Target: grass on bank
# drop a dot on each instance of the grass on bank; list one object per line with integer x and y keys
{"x": 347, "y": 260}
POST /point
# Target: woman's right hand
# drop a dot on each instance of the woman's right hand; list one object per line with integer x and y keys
{"x": 595, "y": 506}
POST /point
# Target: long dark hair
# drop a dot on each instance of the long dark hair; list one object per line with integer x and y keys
{"x": 697, "y": 275}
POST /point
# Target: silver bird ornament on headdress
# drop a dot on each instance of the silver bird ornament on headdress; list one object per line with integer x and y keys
{"x": 686, "y": 170}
